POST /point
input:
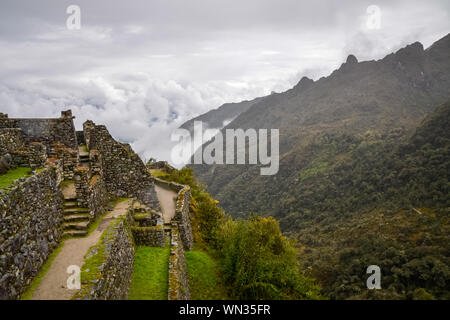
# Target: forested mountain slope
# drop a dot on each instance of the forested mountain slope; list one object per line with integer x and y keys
{"x": 402, "y": 225}
{"x": 364, "y": 173}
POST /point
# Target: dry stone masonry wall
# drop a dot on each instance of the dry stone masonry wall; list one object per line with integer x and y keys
{"x": 47, "y": 131}
{"x": 148, "y": 227}
{"x": 30, "y": 228}
{"x": 124, "y": 172}
{"x": 178, "y": 278}
{"x": 69, "y": 159}
{"x": 149, "y": 236}
{"x": 10, "y": 139}
{"x": 98, "y": 197}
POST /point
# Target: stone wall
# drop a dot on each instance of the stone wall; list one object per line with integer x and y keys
{"x": 33, "y": 155}
{"x": 69, "y": 159}
{"x": 47, "y": 131}
{"x": 108, "y": 268}
{"x": 10, "y": 139}
{"x": 178, "y": 277}
{"x": 149, "y": 236}
{"x": 91, "y": 192}
{"x": 148, "y": 227}
{"x": 95, "y": 161}
{"x": 124, "y": 172}
{"x": 98, "y": 197}
{"x": 183, "y": 217}
{"x": 31, "y": 215}
{"x": 81, "y": 178}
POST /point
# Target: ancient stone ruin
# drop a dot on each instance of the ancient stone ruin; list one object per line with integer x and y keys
{"x": 73, "y": 177}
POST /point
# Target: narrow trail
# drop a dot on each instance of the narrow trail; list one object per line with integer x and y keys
{"x": 167, "y": 200}
{"x": 53, "y": 284}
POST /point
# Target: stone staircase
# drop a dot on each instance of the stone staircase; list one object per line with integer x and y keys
{"x": 76, "y": 219}
{"x": 84, "y": 156}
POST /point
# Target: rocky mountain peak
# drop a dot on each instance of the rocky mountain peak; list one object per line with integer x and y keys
{"x": 410, "y": 51}
{"x": 351, "y": 59}
{"x": 304, "y": 83}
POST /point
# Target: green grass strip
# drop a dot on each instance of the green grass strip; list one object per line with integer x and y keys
{"x": 12, "y": 175}
{"x": 150, "y": 274}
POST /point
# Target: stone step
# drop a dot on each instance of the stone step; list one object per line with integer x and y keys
{"x": 75, "y": 233}
{"x": 76, "y": 217}
{"x": 75, "y": 210}
{"x": 83, "y": 225}
{"x": 70, "y": 203}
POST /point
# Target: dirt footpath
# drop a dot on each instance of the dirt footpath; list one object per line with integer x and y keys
{"x": 167, "y": 200}
{"x": 53, "y": 285}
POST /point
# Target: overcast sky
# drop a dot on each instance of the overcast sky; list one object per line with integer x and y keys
{"x": 143, "y": 67}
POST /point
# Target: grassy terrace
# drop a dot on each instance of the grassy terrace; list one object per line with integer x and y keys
{"x": 150, "y": 274}
{"x": 204, "y": 280}
{"x": 8, "y": 178}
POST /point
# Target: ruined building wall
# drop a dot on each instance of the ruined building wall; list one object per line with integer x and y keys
{"x": 69, "y": 159}
{"x": 31, "y": 215}
{"x": 10, "y": 139}
{"x": 124, "y": 173}
{"x": 91, "y": 191}
{"x": 47, "y": 131}
{"x": 98, "y": 197}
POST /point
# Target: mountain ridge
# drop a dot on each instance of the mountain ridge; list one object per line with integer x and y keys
{"x": 371, "y": 100}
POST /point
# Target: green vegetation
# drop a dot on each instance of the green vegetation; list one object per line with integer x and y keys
{"x": 260, "y": 263}
{"x": 410, "y": 248}
{"x": 318, "y": 168}
{"x": 12, "y": 175}
{"x": 205, "y": 282}
{"x": 150, "y": 274}
{"x": 363, "y": 216}
{"x": 42, "y": 272}
{"x": 255, "y": 259}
